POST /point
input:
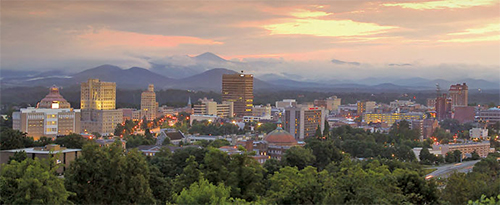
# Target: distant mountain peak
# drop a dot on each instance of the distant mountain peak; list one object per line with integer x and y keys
{"x": 207, "y": 56}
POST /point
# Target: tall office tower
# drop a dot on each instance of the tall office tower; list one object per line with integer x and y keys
{"x": 149, "y": 106}
{"x": 53, "y": 116}
{"x": 303, "y": 120}
{"x": 443, "y": 107}
{"x": 459, "y": 95}
{"x": 238, "y": 88}
{"x": 98, "y": 106}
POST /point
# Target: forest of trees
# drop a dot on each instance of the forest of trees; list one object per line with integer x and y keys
{"x": 345, "y": 165}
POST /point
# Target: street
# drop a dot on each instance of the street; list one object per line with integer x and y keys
{"x": 445, "y": 170}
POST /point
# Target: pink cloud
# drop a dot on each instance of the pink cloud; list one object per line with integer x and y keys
{"x": 111, "y": 38}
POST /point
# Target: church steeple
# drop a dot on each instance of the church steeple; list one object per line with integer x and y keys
{"x": 189, "y": 102}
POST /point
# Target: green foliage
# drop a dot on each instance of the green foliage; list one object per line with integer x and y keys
{"x": 427, "y": 158}
{"x": 204, "y": 192}
{"x": 324, "y": 151}
{"x": 134, "y": 141}
{"x": 318, "y": 133}
{"x": 453, "y": 156}
{"x": 215, "y": 169}
{"x": 207, "y": 128}
{"x": 266, "y": 127}
{"x": 73, "y": 141}
{"x": 291, "y": 186}
{"x": 32, "y": 182}
{"x": 119, "y": 177}
{"x": 245, "y": 178}
{"x": 298, "y": 157}
{"x": 14, "y": 139}
{"x": 485, "y": 201}
{"x": 190, "y": 174}
{"x": 18, "y": 156}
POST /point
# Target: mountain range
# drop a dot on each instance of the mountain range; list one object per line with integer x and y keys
{"x": 204, "y": 75}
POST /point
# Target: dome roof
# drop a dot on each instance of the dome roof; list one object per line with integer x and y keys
{"x": 280, "y": 137}
{"x": 53, "y": 97}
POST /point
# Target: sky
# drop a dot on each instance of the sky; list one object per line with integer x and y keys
{"x": 449, "y": 39}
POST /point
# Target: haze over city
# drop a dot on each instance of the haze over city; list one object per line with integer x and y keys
{"x": 316, "y": 40}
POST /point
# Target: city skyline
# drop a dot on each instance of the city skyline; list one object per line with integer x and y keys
{"x": 430, "y": 39}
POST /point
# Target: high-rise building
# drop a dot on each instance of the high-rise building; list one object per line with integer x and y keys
{"x": 303, "y": 120}
{"x": 443, "y": 107}
{"x": 264, "y": 112}
{"x": 459, "y": 95}
{"x": 210, "y": 107}
{"x": 52, "y": 117}
{"x": 149, "y": 106}
{"x": 238, "y": 88}
{"x": 98, "y": 107}
{"x": 97, "y": 95}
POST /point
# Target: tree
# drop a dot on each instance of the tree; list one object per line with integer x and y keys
{"x": 18, "y": 156}
{"x": 298, "y": 157}
{"x": 245, "y": 177}
{"x": 203, "y": 192}
{"x": 120, "y": 177}
{"x": 14, "y": 139}
{"x": 318, "y": 133}
{"x": 32, "y": 181}
{"x": 457, "y": 189}
{"x": 475, "y": 155}
{"x": 291, "y": 186}
{"x": 326, "y": 131}
{"x": 324, "y": 151}
{"x": 266, "y": 127}
{"x": 73, "y": 141}
{"x": 215, "y": 169}
{"x": 272, "y": 166}
{"x": 190, "y": 175}
{"x": 134, "y": 141}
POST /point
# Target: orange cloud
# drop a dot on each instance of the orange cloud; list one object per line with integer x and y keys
{"x": 302, "y": 13}
{"x": 443, "y": 4}
{"x": 107, "y": 38}
{"x": 331, "y": 28}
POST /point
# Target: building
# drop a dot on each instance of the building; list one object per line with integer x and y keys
{"x": 390, "y": 118}
{"x": 333, "y": 103}
{"x": 489, "y": 116}
{"x": 98, "y": 107}
{"x": 365, "y": 107}
{"x": 238, "y": 88}
{"x": 443, "y": 107}
{"x": 478, "y": 133}
{"x": 151, "y": 150}
{"x": 401, "y": 103}
{"x": 429, "y": 126}
{"x": 431, "y": 102}
{"x": 481, "y": 148}
{"x": 174, "y": 136}
{"x": 303, "y": 120}
{"x": 264, "y": 112}
{"x": 149, "y": 106}
{"x": 210, "y": 107}
{"x": 51, "y": 118}
{"x": 464, "y": 114}
{"x": 459, "y": 95}
{"x": 278, "y": 141}
{"x": 63, "y": 155}
{"x": 286, "y": 103}
{"x": 199, "y": 118}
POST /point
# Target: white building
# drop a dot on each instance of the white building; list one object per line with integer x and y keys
{"x": 478, "y": 133}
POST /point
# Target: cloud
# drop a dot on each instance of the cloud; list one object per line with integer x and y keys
{"x": 331, "y": 28}
{"x": 111, "y": 38}
{"x": 399, "y": 64}
{"x": 339, "y": 62}
{"x": 443, "y": 4}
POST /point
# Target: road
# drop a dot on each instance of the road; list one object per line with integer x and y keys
{"x": 445, "y": 170}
